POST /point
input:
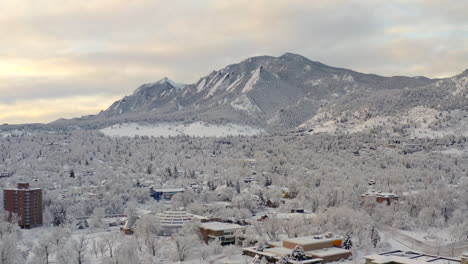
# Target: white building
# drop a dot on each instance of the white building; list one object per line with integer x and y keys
{"x": 409, "y": 257}
{"x": 174, "y": 219}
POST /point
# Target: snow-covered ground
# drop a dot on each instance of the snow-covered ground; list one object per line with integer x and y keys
{"x": 197, "y": 129}
{"x": 108, "y": 172}
{"x": 420, "y": 122}
{"x": 454, "y": 151}
{"x": 16, "y": 132}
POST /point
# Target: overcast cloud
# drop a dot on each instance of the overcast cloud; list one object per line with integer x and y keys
{"x": 66, "y": 58}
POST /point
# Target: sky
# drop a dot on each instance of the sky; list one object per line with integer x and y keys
{"x": 67, "y": 58}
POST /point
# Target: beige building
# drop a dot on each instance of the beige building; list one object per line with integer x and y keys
{"x": 319, "y": 249}
{"x": 225, "y": 232}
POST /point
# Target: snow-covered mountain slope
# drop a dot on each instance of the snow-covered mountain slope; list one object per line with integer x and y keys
{"x": 417, "y": 122}
{"x": 285, "y": 92}
{"x": 146, "y": 98}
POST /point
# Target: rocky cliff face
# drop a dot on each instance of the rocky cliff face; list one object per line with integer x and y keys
{"x": 286, "y": 92}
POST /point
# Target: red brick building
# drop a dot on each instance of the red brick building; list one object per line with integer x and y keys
{"x": 26, "y": 203}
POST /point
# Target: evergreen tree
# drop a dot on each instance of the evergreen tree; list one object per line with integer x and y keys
{"x": 375, "y": 237}
{"x": 348, "y": 243}
{"x": 298, "y": 253}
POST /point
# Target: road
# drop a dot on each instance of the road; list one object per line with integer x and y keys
{"x": 448, "y": 249}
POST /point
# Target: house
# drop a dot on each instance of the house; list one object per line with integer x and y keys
{"x": 129, "y": 226}
{"x": 195, "y": 187}
{"x": 250, "y": 179}
{"x": 166, "y": 194}
{"x": 225, "y": 232}
{"x": 271, "y": 204}
{"x": 380, "y": 196}
{"x": 318, "y": 249}
{"x": 5, "y": 174}
{"x": 26, "y": 203}
{"x": 410, "y": 257}
{"x": 298, "y": 210}
{"x": 287, "y": 216}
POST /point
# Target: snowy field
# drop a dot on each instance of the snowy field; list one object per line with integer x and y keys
{"x": 197, "y": 129}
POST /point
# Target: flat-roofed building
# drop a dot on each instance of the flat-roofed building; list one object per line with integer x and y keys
{"x": 464, "y": 258}
{"x": 318, "y": 249}
{"x": 330, "y": 254}
{"x": 410, "y": 257}
{"x": 225, "y": 232}
{"x": 165, "y": 193}
{"x": 327, "y": 240}
{"x": 26, "y": 203}
{"x": 380, "y": 196}
{"x": 5, "y": 174}
{"x": 250, "y": 179}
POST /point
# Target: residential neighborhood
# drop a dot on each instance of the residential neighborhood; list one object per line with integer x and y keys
{"x": 234, "y": 132}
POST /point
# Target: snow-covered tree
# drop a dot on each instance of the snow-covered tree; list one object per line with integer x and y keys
{"x": 184, "y": 241}
{"x": 147, "y": 228}
{"x": 43, "y": 250}
{"x": 375, "y": 237}
{"x": 298, "y": 253}
{"x": 96, "y": 219}
{"x": 348, "y": 243}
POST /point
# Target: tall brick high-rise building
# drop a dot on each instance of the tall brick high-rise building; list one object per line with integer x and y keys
{"x": 26, "y": 203}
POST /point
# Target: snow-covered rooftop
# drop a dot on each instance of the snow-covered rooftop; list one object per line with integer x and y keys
{"x": 327, "y": 252}
{"x": 22, "y": 189}
{"x": 218, "y": 226}
{"x": 279, "y": 251}
{"x": 375, "y": 193}
{"x": 170, "y": 190}
{"x": 291, "y": 215}
{"x": 264, "y": 253}
{"x": 410, "y": 258}
{"x": 307, "y": 240}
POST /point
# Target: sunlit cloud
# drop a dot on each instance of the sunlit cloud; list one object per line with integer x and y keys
{"x": 25, "y": 67}
{"x": 73, "y": 49}
{"x": 44, "y": 110}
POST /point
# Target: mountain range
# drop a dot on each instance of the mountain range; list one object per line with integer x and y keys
{"x": 286, "y": 92}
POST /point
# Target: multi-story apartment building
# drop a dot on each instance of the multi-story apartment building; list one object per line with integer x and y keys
{"x": 24, "y": 202}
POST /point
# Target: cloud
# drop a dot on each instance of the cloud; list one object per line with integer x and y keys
{"x": 45, "y": 110}
{"x": 68, "y": 49}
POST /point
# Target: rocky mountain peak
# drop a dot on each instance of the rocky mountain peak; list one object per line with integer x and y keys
{"x": 284, "y": 92}
{"x": 289, "y": 55}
